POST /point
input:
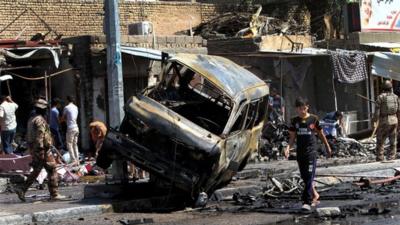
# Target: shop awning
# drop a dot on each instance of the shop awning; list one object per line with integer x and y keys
{"x": 388, "y": 45}
{"x": 386, "y": 64}
{"x": 142, "y": 52}
{"x": 30, "y": 51}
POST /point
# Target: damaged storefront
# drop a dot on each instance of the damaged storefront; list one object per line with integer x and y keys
{"x": 34, "y": 71}
{"x": 310, "y": 75}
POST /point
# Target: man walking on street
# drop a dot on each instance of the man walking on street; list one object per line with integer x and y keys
{"x": 70, "y": 115}
{"x": 55, "y": 123}
{"x": 387, "y": 108}
{"x": 8, "y": 123}
{"x": 39, "y": 143}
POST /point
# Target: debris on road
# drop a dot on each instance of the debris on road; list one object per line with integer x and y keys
{"x": 328, "y": 212}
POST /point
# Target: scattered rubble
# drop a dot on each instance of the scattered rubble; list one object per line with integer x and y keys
{"x": 229, "y": 24}
{"x": 328, "y": 212}
{"x": 345, "y": 147}
{"x": 275, "y": 137}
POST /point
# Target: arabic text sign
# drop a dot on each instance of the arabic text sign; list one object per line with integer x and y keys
{"x": 380, "y": 15}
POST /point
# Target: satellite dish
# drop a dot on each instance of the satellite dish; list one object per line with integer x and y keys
{"x": 5, "y": 77}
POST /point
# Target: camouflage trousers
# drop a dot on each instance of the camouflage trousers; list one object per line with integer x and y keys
{"x": 42, "y": 159}
{"x": 383, "y": 132}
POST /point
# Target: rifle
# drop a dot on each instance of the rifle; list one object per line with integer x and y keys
{"x": 365, "y": 98}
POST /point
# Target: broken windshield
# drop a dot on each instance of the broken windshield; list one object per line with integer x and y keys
{"x": 194, "y": 97}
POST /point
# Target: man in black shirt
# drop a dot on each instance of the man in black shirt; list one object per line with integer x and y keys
{"x": 303, "y": 129}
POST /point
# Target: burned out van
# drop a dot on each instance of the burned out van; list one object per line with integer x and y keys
{"x": 197, "y": 127}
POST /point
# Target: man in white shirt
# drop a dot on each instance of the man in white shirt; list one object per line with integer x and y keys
{"x": 8, "y": 123}
{"x": 70, "y": 115}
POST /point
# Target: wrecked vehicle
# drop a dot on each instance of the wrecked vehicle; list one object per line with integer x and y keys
{"x": 197, "y": 127}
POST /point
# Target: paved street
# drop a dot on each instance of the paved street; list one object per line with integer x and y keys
{"x": 224, "y": 212}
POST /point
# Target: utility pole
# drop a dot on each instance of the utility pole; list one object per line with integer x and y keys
{"x": 114, "y": 77}
{"x": 114, "y": 63}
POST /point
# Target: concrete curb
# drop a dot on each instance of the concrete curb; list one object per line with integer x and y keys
{"x": 16, "y": 219}
{"x": 57, "y": 214}
{"x": 54, "y": 215}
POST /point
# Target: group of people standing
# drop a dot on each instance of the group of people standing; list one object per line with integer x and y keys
{"x": 44, "y": 134}
{"x": 8, "y": 123}
{"x": 41, "y": 138}
{"x": 70, "y": 116}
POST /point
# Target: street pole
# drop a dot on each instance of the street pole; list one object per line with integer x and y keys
{"x": 114, "y": 63}
{"x": 114, "y": 77}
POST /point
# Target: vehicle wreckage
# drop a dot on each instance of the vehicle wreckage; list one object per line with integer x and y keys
{"x": 195, "y": 128}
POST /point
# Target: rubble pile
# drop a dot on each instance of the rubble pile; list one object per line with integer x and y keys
{"x": 345, "y": 147}
{"x": 275, "y": 138}
{"x": 229, "y": 24}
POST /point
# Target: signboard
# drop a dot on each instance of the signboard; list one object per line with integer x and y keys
{"x": 380, "y": 15}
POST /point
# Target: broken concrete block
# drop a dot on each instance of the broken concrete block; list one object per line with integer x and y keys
{"x": 328, "y": 212}
{"x": 16, "y": 219}
{"x": 4, "y": 184}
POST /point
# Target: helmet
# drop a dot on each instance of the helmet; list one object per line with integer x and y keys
{"x": 41, "y": 104}
{"x": 387, "y": 85}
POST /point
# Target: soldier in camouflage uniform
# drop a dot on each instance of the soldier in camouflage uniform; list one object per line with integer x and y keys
{"x": 39, "y": 141}
{"x": 387, "y": 108}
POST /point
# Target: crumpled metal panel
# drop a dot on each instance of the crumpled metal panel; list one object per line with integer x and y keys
{"x": 166, "y": 121}
{"x": 226, "y": 75}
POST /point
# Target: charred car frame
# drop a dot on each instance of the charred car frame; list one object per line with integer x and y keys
{"x": 197, "y": 127}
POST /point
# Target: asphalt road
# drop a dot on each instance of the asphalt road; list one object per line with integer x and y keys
{"x": 224, "y": 212}
{"x": 181, "y": 218}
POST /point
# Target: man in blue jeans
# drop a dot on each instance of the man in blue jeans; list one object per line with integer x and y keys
{"x": 8, "y": 123}
{"x": 55, "y": 123}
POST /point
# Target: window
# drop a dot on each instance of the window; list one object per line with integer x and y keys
{"x": 240, "y": 120}
{"x": 256, "y": 113}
